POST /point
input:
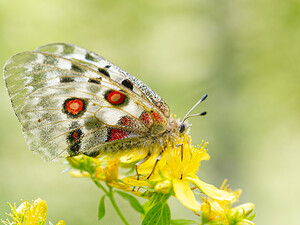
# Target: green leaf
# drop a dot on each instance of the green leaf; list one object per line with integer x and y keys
{"x": 156, "y": 198}
{"x": 251, "y": 217}
{"x": 147, "y": 194}
{"x": 182, "y": 222}
{"x": 101, "y": 209}
{"x": 87, "y": 164}
{"x": 159, "y": 198}
{"x": 159, "y": 214}
{"x": 133, "y": 201}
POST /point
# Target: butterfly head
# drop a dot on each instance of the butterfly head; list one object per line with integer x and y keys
{"x": 183, "y": 127}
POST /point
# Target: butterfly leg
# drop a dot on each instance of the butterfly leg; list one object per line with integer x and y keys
{"x": 157, "y": 160}
{"x": 181, "y": 152}
{"x": 139, "y": 163}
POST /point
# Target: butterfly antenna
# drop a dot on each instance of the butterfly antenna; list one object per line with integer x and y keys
{"x": 198, "y": 114}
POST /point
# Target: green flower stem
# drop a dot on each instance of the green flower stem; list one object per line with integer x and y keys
{"x": 113, "y": 202}
{"x": 110, "y": 195}
{"x": 99, "y": 185}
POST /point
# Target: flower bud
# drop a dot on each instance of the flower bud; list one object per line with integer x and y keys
{"x": 163, "y": 187}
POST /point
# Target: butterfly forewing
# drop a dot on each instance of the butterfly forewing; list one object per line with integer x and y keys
{"x": 70, "y": 100}
{"x": 118, "y": 75}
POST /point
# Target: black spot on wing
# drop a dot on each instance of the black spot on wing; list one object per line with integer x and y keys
{"x": 103, "y": 71}
{"x": 95, "y": 81}
{"x": 66, "y": 79}
{"x": 50, "y": 60}
{"x": 68, "y": 50}
{"x": 107, "y": 66}
{"x": 127, "y": 83}
{"x": 89, "y": 57}
{"x": 77, "y": 69}
{"x": 74, "y": 139}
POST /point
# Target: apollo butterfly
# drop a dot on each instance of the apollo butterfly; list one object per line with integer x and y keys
{"x": 71, "y": 101}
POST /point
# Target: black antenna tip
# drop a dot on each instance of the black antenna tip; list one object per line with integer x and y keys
{"x": 204, "y": 97}
{"x": 203, "y": 113}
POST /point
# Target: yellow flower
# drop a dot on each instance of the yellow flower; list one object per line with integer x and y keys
{"x": 171, "y": 175}
{"x": 103, "y": 169}
{"x": 29, "y": 214}
{"x": 220, "y": 210}
{"x": 240, "y": 213}
{"x": 110, "y": 172}
{"x": 61, "y": 222}
{"x": 179, "y": 163}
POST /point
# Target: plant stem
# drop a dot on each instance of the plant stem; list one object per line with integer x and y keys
{"x": 111, "y": 198}
{"x": 99, "y": 185}
{"x": 113, "y": 202}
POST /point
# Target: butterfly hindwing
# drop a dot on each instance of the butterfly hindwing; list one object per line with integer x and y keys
{"x": 71, "y": 101}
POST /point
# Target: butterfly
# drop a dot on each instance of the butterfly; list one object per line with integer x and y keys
{"x": 71, "y": 101}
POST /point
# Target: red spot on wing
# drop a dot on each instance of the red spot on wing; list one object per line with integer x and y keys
{"x": 153, "y": 116}
{"x": 146, "y": 118}
{"x": 117, "y": 134}
{"x": 75, "y": 135}
{"x": 128, "y": 121}
{"x": 74, "y": 106}
{"x": 116, "y": 98}
{"x": 157, "y": 118}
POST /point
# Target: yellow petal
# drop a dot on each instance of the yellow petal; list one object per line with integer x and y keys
{"x": 205, "y": 207}
{"x": 210, "y": 190}
{"x": 217, "y": 208}
{"x": 123, "y": 187}
{"x": 245, "y": 208}
{"x": 134, "y": 182}
{"x": 185, "y": 195}
{"x": 61, "y": 222}
{"x": 23, "y": 208}
{"x": 147, "y": 166}
{"x": 34, "y": 213}
{"x": 245, "y": 222}
{"x": 40, "y": 207}
{"x": 79, "y": 174}
{"x": 132, "y": 156}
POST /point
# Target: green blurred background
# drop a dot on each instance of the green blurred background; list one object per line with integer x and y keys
{"x": 244, "y": 54}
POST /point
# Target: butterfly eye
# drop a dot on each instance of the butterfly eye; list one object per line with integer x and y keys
{"x": 115, "y": 97}
{"x": 181, "y": 128}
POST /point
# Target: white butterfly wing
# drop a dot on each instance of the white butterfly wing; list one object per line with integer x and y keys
{"x": 118, "y": 75}
{"x": 65, "y": 98}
